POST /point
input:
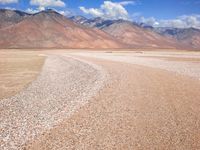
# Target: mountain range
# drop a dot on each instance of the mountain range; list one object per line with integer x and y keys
{"x": 49, "y": 29}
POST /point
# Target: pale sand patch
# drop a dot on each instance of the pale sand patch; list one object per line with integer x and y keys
{"x": 17, "y": 70}
{"x": 140, "y": 108}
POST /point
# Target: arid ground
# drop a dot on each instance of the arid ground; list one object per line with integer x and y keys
{"x": 99, "y": 100}
{"x": 17, "y": 70}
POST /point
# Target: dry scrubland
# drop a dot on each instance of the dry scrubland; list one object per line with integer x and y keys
{"x": 101, "y": 100}
{"x": 17, "y": 70}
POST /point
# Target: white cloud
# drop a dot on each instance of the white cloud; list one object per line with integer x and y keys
{"x": 65, "y": 13}
{"x": 41, "y": 8}
{"x": 10, "y": 8}
{"x": 48, "y": 3}
{"x": 31, "y": 11}
{"x": 185, "y": 21}
{"x": 109, "y": 10}
{"x": 8, "y": 1}
{"x": 93, "y": 11}
{"x": 150, "y": 21}
{"x": 124, "y": 3}
{"x": 62, "y": 12}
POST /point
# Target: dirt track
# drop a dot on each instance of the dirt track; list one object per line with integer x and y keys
{"x": 142, "y": 106}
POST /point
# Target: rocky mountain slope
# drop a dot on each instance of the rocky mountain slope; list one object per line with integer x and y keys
{"x": 132, "y": 34}
{"x": 136, "y": 36}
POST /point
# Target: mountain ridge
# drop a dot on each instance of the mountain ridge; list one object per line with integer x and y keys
{"x": 187, "y": 37}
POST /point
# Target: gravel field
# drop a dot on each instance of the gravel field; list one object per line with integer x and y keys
{"x": 64, "y": 85}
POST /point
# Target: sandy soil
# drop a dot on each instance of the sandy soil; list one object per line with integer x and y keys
{"x": 140, "y": 108}
{"x": 135, "y": 103}
{"x": 17, "y": 70}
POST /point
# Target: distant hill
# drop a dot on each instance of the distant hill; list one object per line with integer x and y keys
{"x": 189, "y": 36}
{"x": 78, "y": 19}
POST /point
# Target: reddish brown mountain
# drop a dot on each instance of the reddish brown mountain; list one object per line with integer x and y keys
{"x": 11, "y": 17}
{"x": 48, "y": 29}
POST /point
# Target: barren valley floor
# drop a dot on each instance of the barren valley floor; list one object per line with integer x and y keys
{"x": 101, "y": 100}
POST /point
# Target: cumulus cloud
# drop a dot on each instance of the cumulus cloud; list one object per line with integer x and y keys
{"x": 33, "y": 11}
{"x": 8, "y": 1}
{"x": 47, "y": 3}
{"x": 185, "y": 21}
{"x": 109, "y": 10}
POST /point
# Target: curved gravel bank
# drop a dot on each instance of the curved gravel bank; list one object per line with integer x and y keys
{"x": 64, "y": 85}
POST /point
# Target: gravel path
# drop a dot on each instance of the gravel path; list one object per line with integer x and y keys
{"x": 185, "y": 68}
{"x": 64, "y": 85}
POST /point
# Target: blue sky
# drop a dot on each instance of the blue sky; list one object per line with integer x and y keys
{"x": 180, "y": 13}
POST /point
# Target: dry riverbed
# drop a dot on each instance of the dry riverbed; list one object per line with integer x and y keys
{"x": 97, "y": 100}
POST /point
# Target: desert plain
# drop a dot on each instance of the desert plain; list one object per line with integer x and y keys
{"x": 83, "y": 99}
